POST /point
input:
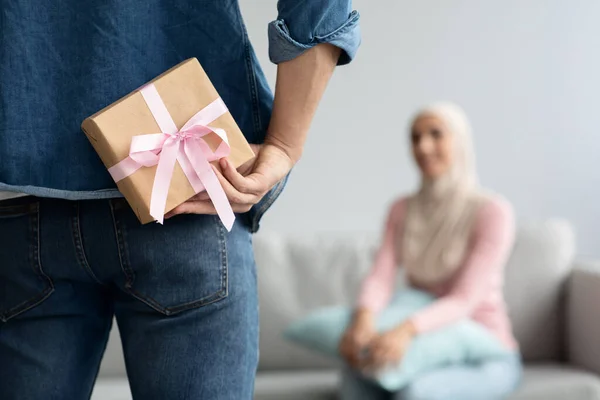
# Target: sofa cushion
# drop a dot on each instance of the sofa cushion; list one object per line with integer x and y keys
{"x": 554, "y": 382}
{"x": 536, "y": 276}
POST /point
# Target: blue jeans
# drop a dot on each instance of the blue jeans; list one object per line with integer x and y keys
{"x": 491, "y": 380}
{"x": 183, "y": 294}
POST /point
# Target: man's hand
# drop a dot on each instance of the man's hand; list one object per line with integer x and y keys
{"x": 389, "y": 347}
{"x": 299, "y": 87}
{"x": 245, "y": 186}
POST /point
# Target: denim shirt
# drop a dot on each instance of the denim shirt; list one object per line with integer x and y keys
{"x": 63, "y": 60}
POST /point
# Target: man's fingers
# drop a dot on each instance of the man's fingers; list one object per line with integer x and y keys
{"x": 203, "y": 207}
{"x": 202, "y": 196}
{"x": 234, "y": 196}
{"x": 233, "y": 176}
{"x": 244, "y": 184}
{"x": 192, "y": 207}
{"x": 201, "y": 203}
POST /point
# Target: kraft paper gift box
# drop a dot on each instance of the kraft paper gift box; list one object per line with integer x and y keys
{"x": 186, "y": 91}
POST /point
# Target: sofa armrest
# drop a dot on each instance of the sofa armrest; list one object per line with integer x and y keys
{"x": 583, "y": 316}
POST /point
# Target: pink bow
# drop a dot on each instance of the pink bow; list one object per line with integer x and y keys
{"x": 185, "y": 145}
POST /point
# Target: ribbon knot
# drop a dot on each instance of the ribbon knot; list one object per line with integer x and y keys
{"x": 186, "y": 146}
{"x": 197, "y": 131}
{"x": 181, "y": 135}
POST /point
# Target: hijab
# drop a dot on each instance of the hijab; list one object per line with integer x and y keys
{"x": 441, "y": 213}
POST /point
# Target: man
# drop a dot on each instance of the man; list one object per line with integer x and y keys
{"x": 72, "y": 254}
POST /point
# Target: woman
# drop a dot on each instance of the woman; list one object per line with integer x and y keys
{"x": 453, "y": 240}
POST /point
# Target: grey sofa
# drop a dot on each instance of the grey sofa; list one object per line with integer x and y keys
{"x": 553, "y": 303}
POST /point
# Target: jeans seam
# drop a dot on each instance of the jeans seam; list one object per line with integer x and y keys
{"x": 36, "y": 264}
{"x": 224, "y": 261}
{"x": 78, "y": 243}
{"x": 212, "y": 298}
{"x": 129, "y": 276}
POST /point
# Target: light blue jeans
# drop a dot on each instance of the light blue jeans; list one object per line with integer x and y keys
{"x": 491, "y": 380}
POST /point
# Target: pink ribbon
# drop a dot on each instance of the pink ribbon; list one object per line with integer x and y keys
{"x": 185, "y": 145}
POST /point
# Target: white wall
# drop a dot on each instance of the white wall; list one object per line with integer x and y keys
{"x": 527, "y": 72}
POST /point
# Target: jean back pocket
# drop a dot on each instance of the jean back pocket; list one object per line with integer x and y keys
{"x": 176, "y": 266}
{"x": 23, "y": 284}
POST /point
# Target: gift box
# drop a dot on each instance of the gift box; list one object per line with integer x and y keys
{"x": 157, "y": 142}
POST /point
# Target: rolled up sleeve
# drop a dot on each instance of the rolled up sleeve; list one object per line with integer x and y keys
{"x": 303, "y": 24}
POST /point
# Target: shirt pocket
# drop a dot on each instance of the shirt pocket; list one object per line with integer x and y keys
{"x": 23, "y": 284}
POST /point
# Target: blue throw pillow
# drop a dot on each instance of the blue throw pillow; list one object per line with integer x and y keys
{"x": 465, "y": 341}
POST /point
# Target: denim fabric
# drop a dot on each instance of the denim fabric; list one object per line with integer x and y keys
{"x": 184, "y": 296}
{"x": 303, "y": 24}
{"x": 490, "y": 380}
{"x": 63, "y": 60}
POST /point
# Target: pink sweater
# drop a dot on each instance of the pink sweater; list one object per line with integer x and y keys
{"x": 474, "y": 292}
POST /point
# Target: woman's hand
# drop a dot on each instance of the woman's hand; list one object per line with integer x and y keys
{"x": 357, "y": 337}
{"x": 245, "y": 186}
{"x": 389, "y": 347}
